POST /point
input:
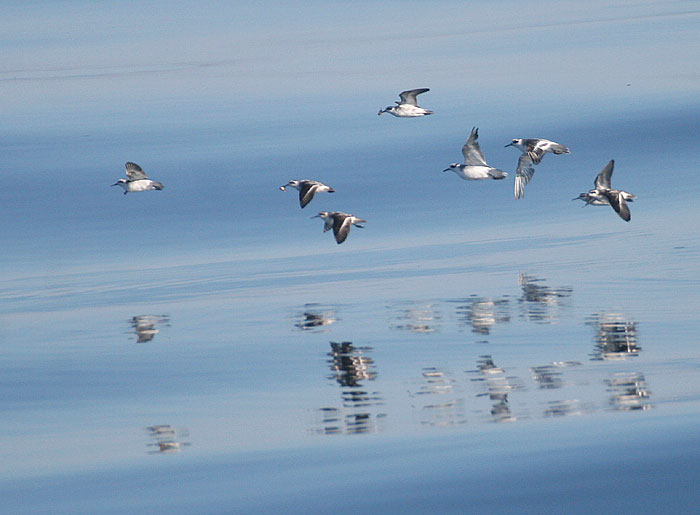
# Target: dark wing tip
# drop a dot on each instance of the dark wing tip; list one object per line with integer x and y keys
{"x": 306, "y": 194}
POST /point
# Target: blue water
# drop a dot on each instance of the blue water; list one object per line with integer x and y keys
{"x": 207, "y": 348}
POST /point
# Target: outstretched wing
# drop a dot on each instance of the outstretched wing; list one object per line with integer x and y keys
{"x": 409, "y": 97}
{"x": 472, "y": 151}
{"x": 535, "y": 150}
{"x": 341, "y": 227}
{"x": 134, "y": 172}
{"x": 523, "y": 174}
{"x": 618, "y": 204}
{"x": 307, "y": 192}
{"x": 602, "y": 181}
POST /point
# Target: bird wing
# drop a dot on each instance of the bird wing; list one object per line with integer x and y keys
{"x": 134, "y": 172}
{"x": 472, "y": 151}
{"x": 307, "y": 192}
{"x": 341, "y": 227}
{"x": 556, "y": 148}
{"x": 328, "y": 224}
{"x": 535, "y": 149}
{"x": 618, "y": 204}
{"x": 409, "y": 97}
{"x": 523, "y": 174}
{"x": 602, "y": 181}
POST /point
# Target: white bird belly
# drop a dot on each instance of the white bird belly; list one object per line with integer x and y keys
{"x": 473, "y": 173}
{"x": 140, "y": 185}
{"x": 408, "y": 111}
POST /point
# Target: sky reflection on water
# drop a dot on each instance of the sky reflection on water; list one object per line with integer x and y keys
{"x": 461, "y": 340}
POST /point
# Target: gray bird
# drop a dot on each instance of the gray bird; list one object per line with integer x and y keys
{"x": 533, "y": 149}
{"x": 408, "y": 106}
{"x": 603, "y": 194}
{"x": 136, "y": 180}
{"x": 475, "y": 167}
{"x": 340, "y": 223}
{"x": 307, "y": 190}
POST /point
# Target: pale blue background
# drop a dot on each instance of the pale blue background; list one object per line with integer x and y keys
{"x": 223, "y": 103}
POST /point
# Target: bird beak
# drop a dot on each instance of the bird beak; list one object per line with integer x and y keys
{"x": 446, "y": 170}
{"x": 509, "y": 145}
{"x": 115, "y": 183}
{"x": 315, "y": 216}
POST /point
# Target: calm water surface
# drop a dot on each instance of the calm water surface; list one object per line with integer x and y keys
{"x": 206, "y": 348}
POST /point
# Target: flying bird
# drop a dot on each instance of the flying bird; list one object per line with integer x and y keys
{"x": 603, "y": 194}
{"x": 533, "y": 149}
{"x": 408, "y": 106}
{"x": 340, "y": 223}
{"x": 307, "y": 190}
{"x": 475, "y": 167}
{"x": 137, "y": 180}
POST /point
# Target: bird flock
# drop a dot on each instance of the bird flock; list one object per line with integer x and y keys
{"x": 474, "y": 168}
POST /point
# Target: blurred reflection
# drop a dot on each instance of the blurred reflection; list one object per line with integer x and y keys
{"x": 540, "y": 303}
{"x": 145, "y": 326}
{"x": 334, "y": 422}
{"x": 349, "y": 364}
{"x": 448, "y": 409}
{"x": 549, "y": 376}
{"x": 351, "y": 367}
{"x": 562, "y": 408}
{"x": 498, "y": 386}
{"x": 165, "y": 437}
{"x": 629, "y": 391}
{"x": 616, "y": 337}
{"x": 314, "y": 318}
{"x": 482, "y": 313}
{"x": 416, "y": 319}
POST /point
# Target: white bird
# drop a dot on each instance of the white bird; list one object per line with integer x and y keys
{"x": 603, "y": 195}
{"x": 533, "y": 149}
{"x": 307, "y": 190}
{"x": 136, "y": 180}
{"x": 340, "y": 223}
{"x": 475, "y": 167}
{"x": 408, "y": 106}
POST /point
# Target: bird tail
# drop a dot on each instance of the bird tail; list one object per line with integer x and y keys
{"x": 519, "y": 188}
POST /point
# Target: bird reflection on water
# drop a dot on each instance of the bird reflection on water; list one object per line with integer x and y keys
{"x": 438, "y": 398}
{"x": 315, "y": 318}
{"x": 482, "y": 313}
{"x": 165, "y": 438}
{"x": 351, "y": 367}
{"x": 498, "y": 386}
{"x": 549, "y": 377}
{"x": 448, "y": 409}
{"x": 145, "y": 326}
{"x": 540, "y": 303}
{"x": 630, "y": 391}
{"x": 616, "y": 336}
{"x": 563, "y": 408}
{"x": 418, "y": 318}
